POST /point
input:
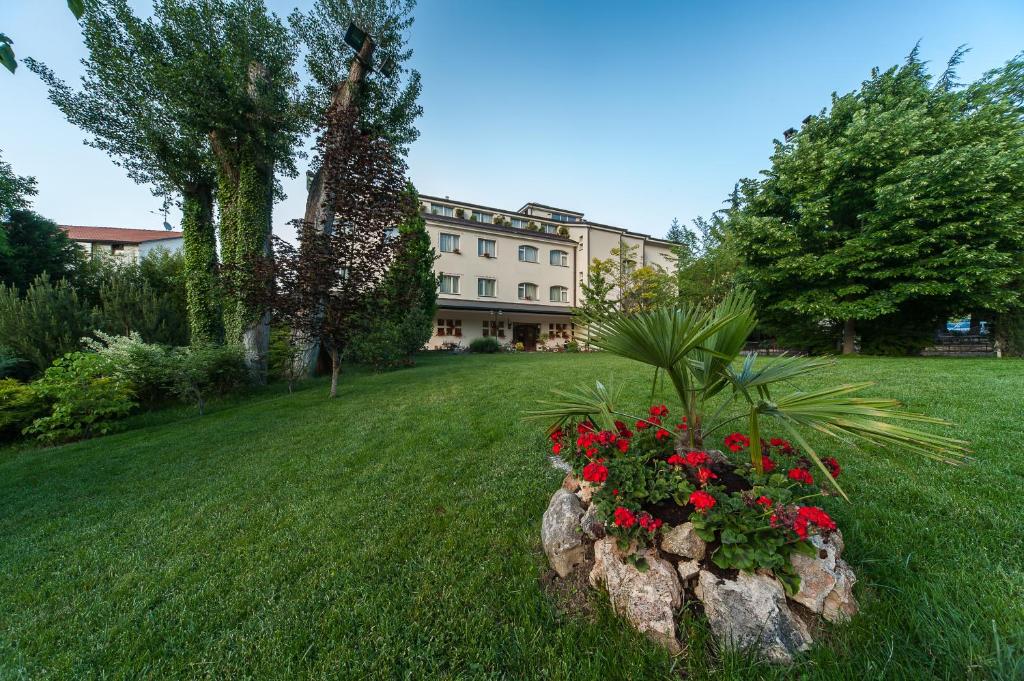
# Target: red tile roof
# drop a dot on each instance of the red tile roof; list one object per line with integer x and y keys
{"x": 118, "y": 234}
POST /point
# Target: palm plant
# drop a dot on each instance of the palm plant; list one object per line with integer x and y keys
{"x": 699, "y": 351}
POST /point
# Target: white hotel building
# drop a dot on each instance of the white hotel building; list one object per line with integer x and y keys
{"x": 517, "y": 275}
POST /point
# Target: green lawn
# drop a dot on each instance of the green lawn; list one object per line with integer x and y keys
{"x": 393, "y": 533}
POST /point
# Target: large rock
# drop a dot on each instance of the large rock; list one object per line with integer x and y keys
{"x": 826, "y": 581}
{"x": 682, "y": 540}
{"x": 560, "y": 532}
{"x": 688, "y": 569}
{"x": 590, "y": 525}
{"x": 647, "y": 599}
{"x": 750, "y": 612}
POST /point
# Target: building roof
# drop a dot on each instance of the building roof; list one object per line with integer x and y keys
{"x": 551, "y": 208}
{"x": 119, "y": 235}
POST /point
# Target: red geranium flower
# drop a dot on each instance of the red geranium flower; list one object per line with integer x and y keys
{"x": 676, "y": 460}
{"x": 801, "y": 475}
{"x": 681, "y": 426}
{"x": 833, "y": 466}
{"x": 585, "y": 427}
{"x": 764, "y": 501}
{"x": 556, "y": 435}
{"x": 642, "y": 425}
{"x": 704, "y": 475}
{"x": 649, "y": 523}
{"x": 696, "y": 458}
{"x": 767, "y": 464}
{"x": 662, "y": 434}
{"x": 556, "y": 448}
{"x": 623, "y": 445}
{"x": 658, "y": 410}
{"x": 817, "y": 516}
{"x": 702, "y": 501}
{"x": 624, "y": 517}
{"x": 737, "y": 441}
{"x": 595, "y": 471}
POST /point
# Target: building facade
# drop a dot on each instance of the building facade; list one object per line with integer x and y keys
{"x": 123, "y": 243}
{"x": 517, "y": 275}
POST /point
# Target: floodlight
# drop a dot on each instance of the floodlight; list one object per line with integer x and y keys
{"x": 355, "y": 37}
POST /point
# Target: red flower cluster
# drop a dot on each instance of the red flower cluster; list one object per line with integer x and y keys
{"x": 764, "y": 501}
{"x": 682, "y": 425}
{"x": 767, "y": 464}
{"x": 785, "y": 445}
{"x": 833, "y": 466}
{"x": 649, "y": 522}
{"x": 658, "y": 410}
{"x": 705, "y": 475}
{"x": 801, "y": 475}
{"x": 624, "y": 517}
{"x": 737, "y": 441}
{"x": 623, "y": 430}
{"x": 702, "y": 501}
{"x": 556, "y": 434}
{"x": 595, "y": 471}
{"x": 691, "y": 459}
{"x": 556, "y": 448}
{"x": 662, "y": 434}
{"x": 800, "y": 518}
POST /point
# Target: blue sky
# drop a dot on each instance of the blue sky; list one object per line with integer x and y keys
{"x": 633, "y": 113}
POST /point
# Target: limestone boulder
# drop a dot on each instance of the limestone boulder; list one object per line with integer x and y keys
{"x": 826, "y": 581}
{"x": 750, "y": 612}
{"x": 648, "y": 599}
{"x": 560, "y": 532}
{"x": 682, "y": 540}
{"x": 591, "y": 527}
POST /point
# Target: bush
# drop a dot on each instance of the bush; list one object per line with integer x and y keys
{"x": 572, "y": 346}
{"x": 11, "y": 366}
{"x": 487, "y": 344}
{"x": 87, "y": 396}
{"x": 47, "y": 322}
{"x": 20, "y": 404}
{"x": 143, "y": 365}
{"x": 196, "y": 373}
{"x": 147, "y": 297}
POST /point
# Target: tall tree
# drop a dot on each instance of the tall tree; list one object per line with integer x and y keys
{"x": 900, "y": 205}
{"x": 129, "y": 103}
{"x": 16, "y": 192}
{"x": 36, "y": 246}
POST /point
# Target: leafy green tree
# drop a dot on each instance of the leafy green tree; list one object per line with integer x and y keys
{"x": 595, "y": 300}
{"x": 36, "y": 246}
{"x": 900, "y": 205}
{"x": 130, "y": 105}
{"x": 387, "y": 101}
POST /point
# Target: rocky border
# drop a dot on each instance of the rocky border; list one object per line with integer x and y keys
{"x": 744, "y": 610}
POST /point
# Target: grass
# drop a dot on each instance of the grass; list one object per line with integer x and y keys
{"x": 393, "y": 533}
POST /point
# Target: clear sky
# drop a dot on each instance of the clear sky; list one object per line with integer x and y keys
{"x": 633, "y": 113}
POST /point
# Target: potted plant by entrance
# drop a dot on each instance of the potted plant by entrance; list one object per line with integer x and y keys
{"x": 719, "y": 498}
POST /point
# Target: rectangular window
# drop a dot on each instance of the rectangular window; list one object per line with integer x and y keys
{"x": 449, "y": 243}
{"x": 518, "y": 224}
{"x": 477, "y": 216}
{"x": 438, "y": 209}
{"x": 527, "y": 254}
{"x": 487, "y": 248}
{"x": 550, "y": 229}
{"x": 486, "y": 288}
{"x": 450, "y": 284}
{"x": 559, "y": 258}
{"x": 449, "y": 327}
{"x": 494, "y": 329}
{"x": 561, "y": 217}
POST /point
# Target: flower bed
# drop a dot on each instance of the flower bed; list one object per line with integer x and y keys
{"x": 669, "y": 524}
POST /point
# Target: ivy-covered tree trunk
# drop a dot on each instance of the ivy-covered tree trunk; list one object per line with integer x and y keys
{"x": 200, "y": 250}
{"x": 245, "y": 235}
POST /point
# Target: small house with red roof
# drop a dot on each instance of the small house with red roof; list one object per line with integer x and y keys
{"x": 121, "y": 242}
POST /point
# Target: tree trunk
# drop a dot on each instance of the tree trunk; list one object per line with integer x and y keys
{"x": 848, "y": 337}
{"x": 335, "y": 369}
{"x": 199, "y": 239}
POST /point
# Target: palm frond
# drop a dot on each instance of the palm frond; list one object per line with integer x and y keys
{"x": 598, "y": 403}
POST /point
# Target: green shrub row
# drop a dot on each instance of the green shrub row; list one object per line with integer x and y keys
{"x": 87, "y": 393}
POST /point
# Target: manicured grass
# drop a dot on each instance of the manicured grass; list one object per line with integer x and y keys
{"x": 393, "y": 533}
